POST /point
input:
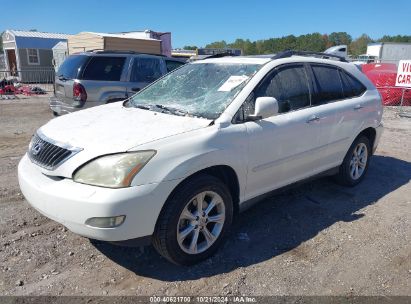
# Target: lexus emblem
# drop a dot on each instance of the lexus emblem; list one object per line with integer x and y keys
{"x": 37, "y": 148}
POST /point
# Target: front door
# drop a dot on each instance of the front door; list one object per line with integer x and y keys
{"x": 282, "y": 148}
{"x": 11, "y": 57}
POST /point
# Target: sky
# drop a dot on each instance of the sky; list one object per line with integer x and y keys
{"x": 201, "y": 22}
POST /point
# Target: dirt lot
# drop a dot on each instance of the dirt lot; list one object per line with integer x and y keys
{"x": 318, "y": 239}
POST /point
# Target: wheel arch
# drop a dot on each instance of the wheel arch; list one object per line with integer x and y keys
{"x": 224, "y": 173}
{"x": 370, "y": 133}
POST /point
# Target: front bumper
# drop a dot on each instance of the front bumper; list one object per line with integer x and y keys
{"x": 71, "y": 203}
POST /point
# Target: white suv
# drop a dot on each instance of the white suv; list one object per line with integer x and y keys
{"x": 174, "y": 164}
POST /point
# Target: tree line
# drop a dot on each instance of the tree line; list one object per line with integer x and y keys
{"x": 314, "y": 42}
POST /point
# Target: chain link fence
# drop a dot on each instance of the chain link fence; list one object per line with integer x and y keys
{"x": 383, "y": 74}
{"x": 405, "y": 106}
{"x": 26, "y": 82}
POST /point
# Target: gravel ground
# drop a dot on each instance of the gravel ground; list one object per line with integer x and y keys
{"x": 317, "y": 239}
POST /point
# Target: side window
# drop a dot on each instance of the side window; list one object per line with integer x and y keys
{"x": 172, "y": 65}
{"x": 351, "y": 86}
{"x": 104, "y": 68}
{"x": 328, "y": 84}
{"x": 289, "y": 85}
{"x": 145, "y": 69}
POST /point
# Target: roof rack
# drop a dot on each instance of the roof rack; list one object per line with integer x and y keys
{"x": 290, "y": 53}
{"x": 100, "y": 51}
{"x": 219, "y": 55}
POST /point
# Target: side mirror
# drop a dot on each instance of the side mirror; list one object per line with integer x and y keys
{"x": 264, "y": 107}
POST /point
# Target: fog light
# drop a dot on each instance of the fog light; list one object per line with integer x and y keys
{"x": 106, "y": 222}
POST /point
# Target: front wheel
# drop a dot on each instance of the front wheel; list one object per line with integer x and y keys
{"x": 355, "y": 163}
{"x": 194, "y": 221}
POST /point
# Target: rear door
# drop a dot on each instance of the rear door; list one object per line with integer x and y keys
{"x": 337, "y": 95}
{"x": 66, "y": 75}
{"x": 105, "y": 79}
{"x": 144, "y": 70}
{"x": 327, "y": 92}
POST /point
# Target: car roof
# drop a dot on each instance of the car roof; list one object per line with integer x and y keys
{"x": 282, "y": 56}
{"x": 263, "y": 59}
{"x": 116, "y": 53}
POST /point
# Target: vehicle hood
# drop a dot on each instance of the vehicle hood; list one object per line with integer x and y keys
{"x": 113, "y": 128}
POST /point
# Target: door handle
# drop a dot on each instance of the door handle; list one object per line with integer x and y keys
{"x": 135, "y": 89}
{"x": 313, "y": 118}
{"x": 358, "y": 107}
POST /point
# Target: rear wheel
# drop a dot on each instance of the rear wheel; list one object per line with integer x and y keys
{"x": 194, "y": 221}
{"x": 355, "y": 163}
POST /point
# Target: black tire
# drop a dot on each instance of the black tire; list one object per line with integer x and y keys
{"x": 55, "y": 114}
{"x": 165, "y": 234}
{"x": 344, "y": 177}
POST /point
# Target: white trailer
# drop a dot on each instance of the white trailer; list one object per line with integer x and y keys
{"x": 390, "y": 52}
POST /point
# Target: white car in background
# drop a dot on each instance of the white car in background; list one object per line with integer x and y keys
{"x": 177, "y": 161}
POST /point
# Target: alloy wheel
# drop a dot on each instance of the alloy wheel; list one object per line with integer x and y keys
{"x": 358, "y": 161}
{"x": 201, "y": 222}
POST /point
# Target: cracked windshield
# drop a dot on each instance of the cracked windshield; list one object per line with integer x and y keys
{"x": 200, "y": 89}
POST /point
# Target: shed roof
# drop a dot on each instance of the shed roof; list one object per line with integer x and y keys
{"x": 128, "y": 35}
{"x": 62, "y": 45}
{"x": 36, "y": 34}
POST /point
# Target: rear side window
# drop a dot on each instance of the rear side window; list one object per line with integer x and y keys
{"x": 72, "y": 66}
{"x": 104, "y": 68}
{"x": 289, "y": 86}
{"x": 328, "y": 84}
{"x": 172, "y": 65}
{"x": 145, "y": 69}
{"x": 351, "y": 86}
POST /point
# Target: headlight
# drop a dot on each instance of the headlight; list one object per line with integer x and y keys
{"x": 113, "y": 171}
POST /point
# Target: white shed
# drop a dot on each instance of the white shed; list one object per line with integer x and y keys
{"x": 60, "y": 53}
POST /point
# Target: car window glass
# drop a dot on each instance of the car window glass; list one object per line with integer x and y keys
{"x": 104, "y": 68}
{"x": 289, "y": 86}
{"x": 172, "y": 65}
{"x": 328, "y": 84}
{"x": 351, "y": 86}
{"x": 71, "y": 66}
{"x": 145, "y": 69}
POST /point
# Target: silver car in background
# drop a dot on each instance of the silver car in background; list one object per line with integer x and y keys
{"x": 94, "y": 78}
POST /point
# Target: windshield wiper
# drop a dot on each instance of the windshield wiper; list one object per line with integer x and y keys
{"x": 171, "y": 110}
{"x": 163, "y": 109}
{"x": 142, "y": 107}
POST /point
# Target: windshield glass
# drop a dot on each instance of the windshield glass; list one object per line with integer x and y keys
{"x": 200, "y": 89}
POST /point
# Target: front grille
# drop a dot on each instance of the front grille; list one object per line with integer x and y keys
{"x": 47, "y": 154}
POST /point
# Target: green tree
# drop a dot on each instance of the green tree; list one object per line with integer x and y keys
{"x": 311, "y": 42}
{"x": 315, "y": 42}
{"x": 190, "y": 47}
{"x": 359, "y": 45}
{"x": 248, "y": 47}
{"x": 217, "y": 45}
{"x": 337, "y": 38}
{"x": 397, "y": 38}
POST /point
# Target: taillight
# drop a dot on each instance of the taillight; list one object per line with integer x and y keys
{"x": 79, "y": 92}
